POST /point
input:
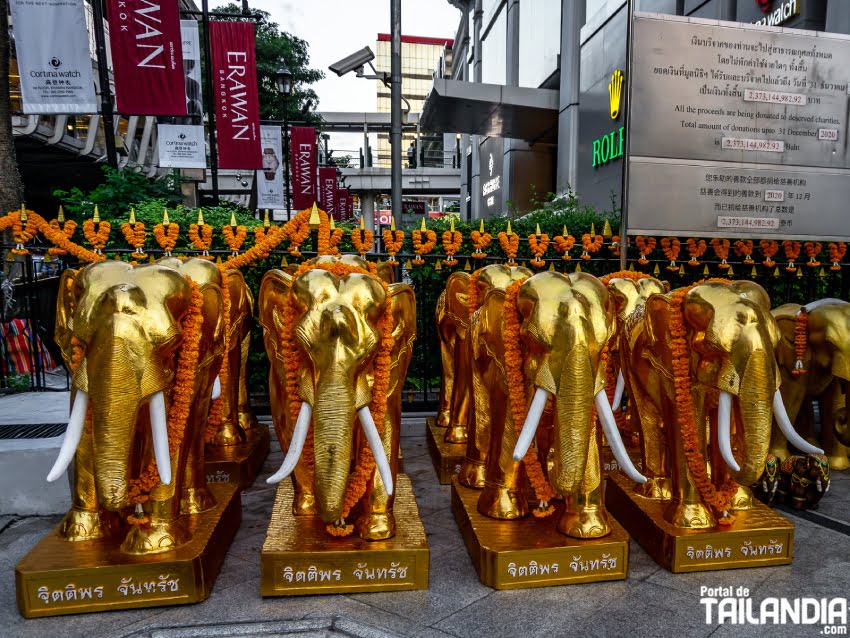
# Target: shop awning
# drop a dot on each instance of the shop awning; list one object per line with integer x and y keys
{"x": 491, "y": 109}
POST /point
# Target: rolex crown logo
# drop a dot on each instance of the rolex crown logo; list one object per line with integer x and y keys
{"x": 615, "y": 93}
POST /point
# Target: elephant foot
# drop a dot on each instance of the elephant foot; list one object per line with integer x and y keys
{"x": 86, "y": 525}
{"x": 155, "y": 538}
{"x": 585, "y": 523}
{"x": 838, "y": 462}
{"x": 442, "y": 420}
{"x": 196, "y": 500}
{"x": 247, "y": 420}
{"x": 304, "y": 504}
{"x": 690, "y": 515}
{"x": 472, "y": 474}
{"x": 743, "y": 499}
{"x": 228, "y": 434}
{"x": 497, "y": 501}
{"x": 456, "y": 434}
{"x": 656, "y": 487}
{"x": 376, "y": 526}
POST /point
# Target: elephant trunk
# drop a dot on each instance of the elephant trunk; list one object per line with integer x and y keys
{"x": 573, "y": 406}
{"x": 333, "y": 420}
{"x": 755, "y": 402}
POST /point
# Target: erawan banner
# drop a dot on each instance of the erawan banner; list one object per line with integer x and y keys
{"x": 304, "y": 166}
{"x": 192, "y": 67}
{"x": 181, "y": 146}
{"x": 235, "y": 89}
{"x": 327, "y": 189}
{"x": 52, "y": 47}
{"x": 270, "y": 178}
{"x": 343, "y": 205}
{"x": 147, "y": 57}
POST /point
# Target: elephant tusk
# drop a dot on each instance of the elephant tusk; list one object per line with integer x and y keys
{"x": 532, "y": 420}
{"x": 296, "y": 444}
{"x": 820, "y": 485}
{"x": 788, "y": 428}
{"x": 609, "y": 426}
{"x": 159, "y": 434}
{"x": 374, "y": 439}
{"x": 773, "y": 489}
{"x": 216, "y": 389}
{"x": 724, "y": 430}
{"x": 828, "y": 483}
{"x": 618, "y": 392}
{"x": 764, "y": 486}
{"x": 72, "y": 435}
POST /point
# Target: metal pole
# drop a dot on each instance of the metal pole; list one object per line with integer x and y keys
{"x": 395, "y": 108}
{"x": 106, "y": 109}
{"x": 210, "y": 106}
{"x": 624, "y": 197}
{"x": 286, "y": 158}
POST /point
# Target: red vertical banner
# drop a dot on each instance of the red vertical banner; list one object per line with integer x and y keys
{"x": 237, "y": 107}
{"x": 147, "y": 57}
{"x": 302, "y": 141}
{"x": 327, "y": 189}
{"x": 342, "y": 211}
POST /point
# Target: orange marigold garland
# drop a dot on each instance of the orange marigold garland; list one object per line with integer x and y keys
{"x": 768, "y": 250}
{"x": 538, "y": 243}
{"x": 645, "y": 247}
{"x": 671, "y": 247}
{"x": 234, "y": 235}
{"x": 744, "y": 248}
{"x": 543, "y": 491}
{"x": 813, "y": 249}
{"x": 719, "y": 499}
{"x": 362, "y": 238}
{"x": 393, "y": 245}
{"x": 801, "y": 340}
{"x": 721, "y": 249}
{"x": 451, "y": 244}
{"x": 67, "y": 227}
{"x": 590, "y": 243}
{"x": 24, "y": 228}
{"x": 509, "y": 241}
{"x": 480, "y": 242}
{"x": 96, "y": 232}
{"x": 134, "y": 235}
{"x": 696, "y": 249}
{"x": 792, "y": 252}
{"x": 200, "y": 235}
{"x": 564, "y": 244}
{"x": 181, "y": 397}
{"x": 334, "y": 239}
{"x": 166, "y": 234}
{"x": 836, "y": 254}
{"x": 423, "y": 247}
{"x": 273, "y": 236}
{"x": 472, "y": 300}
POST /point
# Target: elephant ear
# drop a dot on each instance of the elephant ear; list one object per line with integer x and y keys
{"x": 237, "y": 284}
{"x": 457, "y": 299}
{"x": 402, "y": 301}
{"x": 600, "y": 306}
{"x": 386, "y": 272}
{"x": 65, "y": 303}
{"x": 212, "y": 330}
{"x": 620, "y": 290}
{"x": 657, "y": 319}
{"x": 490, "y": 325}
{"x": 274, "y": 288}
{"x": 785, "y": 317}
{"x": 752, "y": 291}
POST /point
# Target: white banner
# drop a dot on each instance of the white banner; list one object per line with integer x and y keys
{"x": 270, "y": 178}
{"x": 181, "y": 146}
{"x": 192, "y": 67}
{"x": 52, "y": 47}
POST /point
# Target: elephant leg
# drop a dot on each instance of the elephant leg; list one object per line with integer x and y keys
{"x": 195, "y": 495}
{"x": 247, "y": 418}
{"x": 584, "y": 513}
{"x": 447, "y": 349}
{"x": 377, "y": 522}
{"x": 230, "y": 432}
{"x": 460, "y": 401}
{"x": 503, "y": 495}
{"x": 653, "y": 447}
{"x": 793, "y": 394}
{"x": 473, "y": 469}
{"x": 833, "y": 400}
{"x": 86, "y": 520}
{"x": 304, "y": 501}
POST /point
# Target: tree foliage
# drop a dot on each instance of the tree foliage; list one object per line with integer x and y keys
{"x": 276, "y": 48}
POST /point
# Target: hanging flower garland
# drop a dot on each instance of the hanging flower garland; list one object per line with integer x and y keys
{"x": 60, "y": 239}
{"x": 837, "y": 251}
{"x": 181, "y": 398}
{"x": 645, "y": 247}
{"x": 234, "y": 236}
{"x": 744, "y": 248}
{"x": 60, "y": 225}
{"x": 590, "y": 244}
{"x": 96, "y": 232}
{"x": 792, "y": 252}
{"x": 423, "y": 247}
{"x": 509, "y": 241}
{"x": 451, "y": 244}
{"x": 273, "y": 236}
{"x": 696, "y": 249}
{"x": 334, "y": 239}
{"x": 166, "y": 234}
{"x": 472, "y": 302}
{"x": 671, "y": 248}
{"x": 24, "y": 228}
{"x": 564, "y": 244}
{"x": 480, "y": 242}
{"x": 721, "y": 249}
{"x": 538, "y": 243}
{"x": 543, "y": 491}
{"x": 134, "y": 235}
{"x": 363, "y": 239}
{"x": 259, "y": 234}
{"x": 393, "y": 245}
{"x": 720, "y": 499}
{"x": 200, "y": 235}
{"x": 614, "y": 246}
{"x": 768, "y": 250}
{"x": 801, "y": 340}
{"x": 813, "y": 249}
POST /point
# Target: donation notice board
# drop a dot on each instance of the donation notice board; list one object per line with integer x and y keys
{"x": 744, "y": 135}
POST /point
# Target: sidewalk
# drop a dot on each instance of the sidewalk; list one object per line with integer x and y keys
{"x": 651, "y": 602}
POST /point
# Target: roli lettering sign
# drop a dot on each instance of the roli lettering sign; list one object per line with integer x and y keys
{"x": 610, "y": 146}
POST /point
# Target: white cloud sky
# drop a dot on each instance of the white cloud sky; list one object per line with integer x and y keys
{"x": 337, "y": 28}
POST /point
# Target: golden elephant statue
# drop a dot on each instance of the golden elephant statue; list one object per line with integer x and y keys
{"x": 483, "y": 369}
{"x": 339, "y": 340}
{"x": 826, "y": 366}
{"x": 452, "y": 316}
{"x": 705, "y": 355}
{"x": 549, "y": 351}
{"x": 145, "y": 345}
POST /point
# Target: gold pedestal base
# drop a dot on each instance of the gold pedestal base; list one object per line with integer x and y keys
{"x": 610, "y": 464}
{"x": 238, "y": 464}
{"x": 61, "y": 577}
{"x": 530, "y": 552}
{"x": 447, "y": 457}
{"x": 431, "y": 421}
{"x": 300, "y": 557}
{"x": 759, "y": 537}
